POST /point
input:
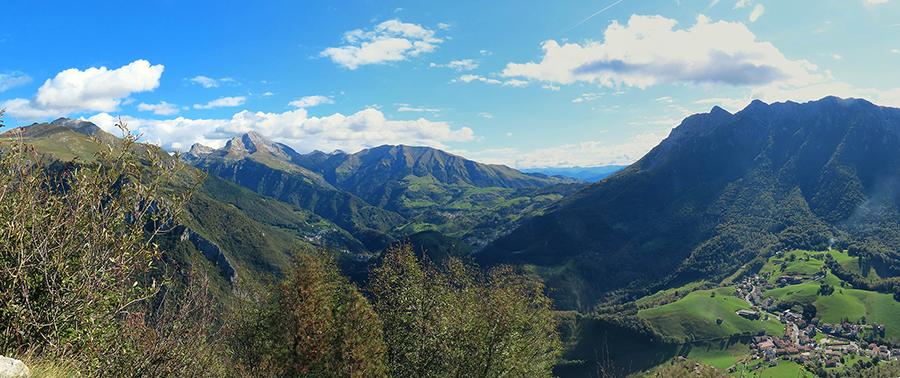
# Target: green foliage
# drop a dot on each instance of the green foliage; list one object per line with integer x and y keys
{"x": 455, "y": 320}
{"x": 80, "y": 272}
{"x": 313, "y": 324}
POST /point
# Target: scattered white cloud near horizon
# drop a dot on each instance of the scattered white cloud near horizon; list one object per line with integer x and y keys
{"x": 485, "y": 115}
{"x": 758, "y": 10}
{"x": 443, "y": 26}
{"x": 895, "y": 51}
{"x": 94, "y": 89}
{"x": 391, "y": 41}
{"x": 741, "y": 4}
{"x": 163, "y": 108}
{"x": 837, "y": 56}
{"x": 648, "y": 51}
{"x": 310, "y": 101}
{"x": 363, "y": 129}
{"x": 584, "y": 154}
{"x": 13, "y": 79}
{"x": 223, "y": 102}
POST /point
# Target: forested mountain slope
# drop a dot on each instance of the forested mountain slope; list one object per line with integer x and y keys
{"x": 721, "y": 190}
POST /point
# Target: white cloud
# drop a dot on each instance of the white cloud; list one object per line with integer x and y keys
{"x": 757, "y": 11}
{"x": 649, "y": 51}
{"x": 397, "y": 10}
{"x": 471, "y": 78}
{"x": 666, "y": 99}
{"x": 94, "y": 89}
{"x": 13, "y": 79}
{"x": 463, "y": 65}
{"x": 443, "y": 26}
{"x": 163, "y": 108}
{"x": 588, "y": 97}
{"x": 310, "y": 101}
{"x": 896, "y": 51}
{"x": 516, "y": 83}
{"x": 877, "y": 1}
{"x": 485, "y": 115}
{"x": 205, "y": 81}
{"x": 837, "y": 56}
{"x": 485, "y": 52}
{"x": 391, "y": 41}
{"x": 551, "y": 87}
{"x": 741, "y": 4}
{"x": 222, "y": 102}
{"x": 366, "y": 128}
{"x": 406, "y": 108}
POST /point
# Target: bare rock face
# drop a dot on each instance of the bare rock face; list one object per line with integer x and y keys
{"x": 13, "y": 368}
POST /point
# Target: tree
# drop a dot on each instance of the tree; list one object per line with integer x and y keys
{"x": 456, "y": 320}
{"x": 315, "y": 323}
{"x": 77, "y": 244}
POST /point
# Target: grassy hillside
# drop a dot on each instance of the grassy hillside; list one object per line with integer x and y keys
{"x": 694, "y": 317}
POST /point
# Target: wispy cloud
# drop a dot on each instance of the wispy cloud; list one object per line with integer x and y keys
{"x": 590, "y": 17}
{"x": 222, "y": 103}
{"x": 310, "y": 101}
{"x": 13, "y": 79}
{"x": 757, "y": 11}
{"x": 163, "y": 108}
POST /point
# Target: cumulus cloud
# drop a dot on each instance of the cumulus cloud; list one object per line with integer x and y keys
{"x": 13, "y": 79}
{"x": 222, "y": 102}
{"x": 391, "y": 41}
{"x": 757, "y": 11}
{"x": 310, "y": 101}
{"x": 741, "y": 4}
{"x": 94, "y": 89}
{"x": 163, "y": 108}
{"x": 366, "y": 128}
{"x": 648, "y": 50}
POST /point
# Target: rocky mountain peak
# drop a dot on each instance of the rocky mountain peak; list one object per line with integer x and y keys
{"x": 253, "y": 142}
{"x": 200, "y": 150}
{"x": 77, "y": 125}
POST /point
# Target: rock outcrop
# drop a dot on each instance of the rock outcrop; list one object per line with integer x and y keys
{"x": 13, "y": 368}
{"x": 211, "y": 251}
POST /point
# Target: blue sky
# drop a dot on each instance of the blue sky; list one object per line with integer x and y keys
{"x": 522, "y": 83}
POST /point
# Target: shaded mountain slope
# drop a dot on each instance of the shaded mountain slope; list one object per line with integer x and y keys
{"x": 721, "y": 190}
{"x": 265, "y": 167}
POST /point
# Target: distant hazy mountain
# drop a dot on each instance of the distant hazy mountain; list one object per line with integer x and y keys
{"x": 589, "y": 174}
{"x": 721, "y": 190}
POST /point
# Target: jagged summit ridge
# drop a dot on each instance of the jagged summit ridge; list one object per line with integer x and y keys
{"x": 77, "y": 125}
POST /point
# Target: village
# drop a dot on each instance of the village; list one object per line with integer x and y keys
{"x": 841, "y": 343}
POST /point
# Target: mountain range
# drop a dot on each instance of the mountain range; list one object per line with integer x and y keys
{"x": 720, "y": 193}
{"x": 712, "y": 200}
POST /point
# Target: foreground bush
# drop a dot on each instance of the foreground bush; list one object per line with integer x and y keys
{"x": 78, "y": 265}
{"x": 457, "y": 321}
